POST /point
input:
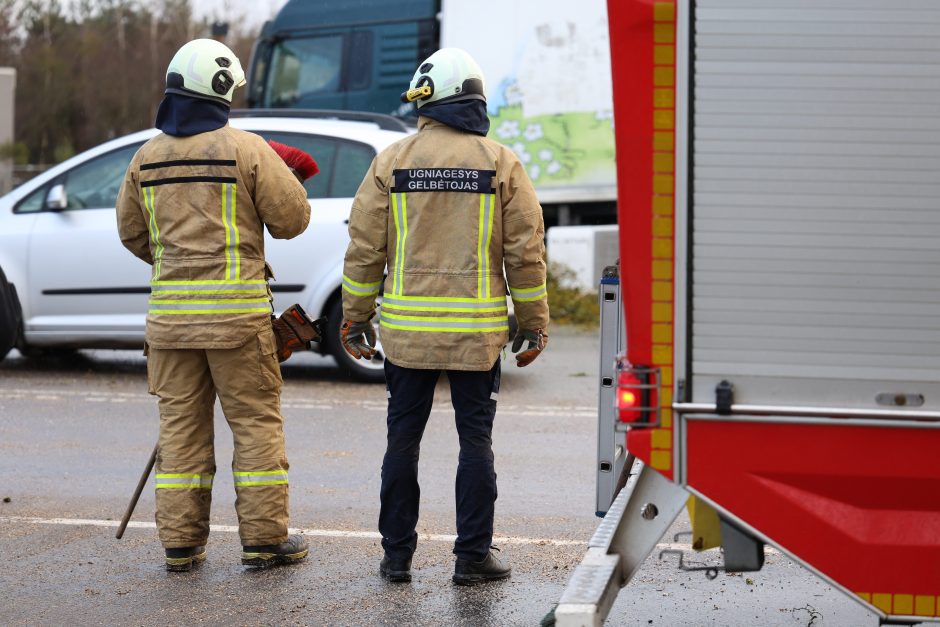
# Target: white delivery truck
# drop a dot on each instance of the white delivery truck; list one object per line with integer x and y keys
{"x": 547, "y": 67}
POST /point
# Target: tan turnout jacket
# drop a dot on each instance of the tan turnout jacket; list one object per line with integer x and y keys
{"x": 195, "y": 209}
{"x": 446, "y": 212}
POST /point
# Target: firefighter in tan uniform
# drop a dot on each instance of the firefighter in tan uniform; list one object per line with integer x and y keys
{"x": 194, "y": 205}
{"x": 447, "y": 211}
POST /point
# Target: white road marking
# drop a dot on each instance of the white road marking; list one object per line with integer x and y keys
{"x": 321, "y": 533}
{"x": 335, "y": 533}
{"x": 97, "y": 396}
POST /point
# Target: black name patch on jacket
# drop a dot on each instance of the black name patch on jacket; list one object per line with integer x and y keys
{"x": 443, "y": 180}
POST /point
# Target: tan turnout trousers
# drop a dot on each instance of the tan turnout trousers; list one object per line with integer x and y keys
{"x": 247, "y": 381}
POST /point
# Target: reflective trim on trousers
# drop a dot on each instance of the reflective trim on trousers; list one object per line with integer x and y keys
{"x": 260, "y": 478}
{"x": 183, "y": 480}
{"x": 527, "y": 294}
{"x": 483, "y": 245}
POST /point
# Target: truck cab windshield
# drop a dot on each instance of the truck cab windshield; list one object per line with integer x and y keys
{"x": 317, "y": 71}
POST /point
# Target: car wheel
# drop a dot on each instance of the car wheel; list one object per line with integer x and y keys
{"x": 360, "y": 369}
{"x": 11, "y": 316}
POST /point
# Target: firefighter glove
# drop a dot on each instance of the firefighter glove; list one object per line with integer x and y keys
{"x": 358, "y": 338}
{"x": 537, "y": 339}
{"x": 294, "y": 330}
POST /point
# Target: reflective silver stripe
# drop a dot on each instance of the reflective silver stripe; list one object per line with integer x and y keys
{"x": 176, "y": 481}
{"x": 212, "y": 282}
{"x": 529, "y": 293}
{"x": 486, "y": 226}
{"x": 261, "y": 477}
{"x": 234, "y": 285}
{"x": 445, "y": 304}
{"x": 360, "y": 291}
{"x": 232, "y": 256}
{"x": 154, "y": 233}
{"x": 401, "y": 232}
{"x": 204, "y": 306}
{"x": 431, "y": 322}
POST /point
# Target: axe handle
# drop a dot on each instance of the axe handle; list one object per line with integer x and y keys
{"x": 136, "y": 497}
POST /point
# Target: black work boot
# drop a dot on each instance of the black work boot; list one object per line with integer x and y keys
{"x": 293, "y": 550}
{"x": 181, "y": 560}
{"x": 468, "y": 572}
{"x": 395, "y": 570}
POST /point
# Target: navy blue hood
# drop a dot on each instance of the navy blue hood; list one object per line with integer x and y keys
{"x": 465, "y": 115}
{"x": 182, "y": 116}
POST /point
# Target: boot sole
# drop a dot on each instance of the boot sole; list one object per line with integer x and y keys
{"x": 396, "y": 576}
{"x": 267, "y": 560}
{"x": 184, "y": 564}
{"x": 472, "y": 580}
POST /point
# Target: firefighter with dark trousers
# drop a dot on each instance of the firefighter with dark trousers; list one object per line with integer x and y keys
{"x": 447, "y": 211}
{"x": 194, "y": 204}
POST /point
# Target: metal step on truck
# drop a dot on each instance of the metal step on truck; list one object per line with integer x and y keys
{"x": 771, "y": 337}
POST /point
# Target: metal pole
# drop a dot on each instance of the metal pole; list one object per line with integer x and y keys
{"x": 136, "y": 497}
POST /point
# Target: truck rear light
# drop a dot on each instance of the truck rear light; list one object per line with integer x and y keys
{"x": 637, "y": 395}
{"x": 628, "y": 397}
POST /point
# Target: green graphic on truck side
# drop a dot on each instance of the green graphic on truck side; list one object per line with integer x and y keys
{"x": 564, "y": 149}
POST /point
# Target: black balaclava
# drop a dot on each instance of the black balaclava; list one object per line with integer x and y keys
{"x": 182, "y": 116}
{"x": 465, "y": 115}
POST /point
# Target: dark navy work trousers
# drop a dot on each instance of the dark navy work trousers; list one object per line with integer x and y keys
{"x": 411, "y": 392}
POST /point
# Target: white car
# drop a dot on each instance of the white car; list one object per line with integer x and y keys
{"x": 78, "y": 287}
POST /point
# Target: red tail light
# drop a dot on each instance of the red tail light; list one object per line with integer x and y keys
{"x": 629, "y": 397}
{"x": 637, "y": 395}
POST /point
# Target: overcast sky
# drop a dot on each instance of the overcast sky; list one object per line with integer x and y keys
{"x": 255, "y": 12}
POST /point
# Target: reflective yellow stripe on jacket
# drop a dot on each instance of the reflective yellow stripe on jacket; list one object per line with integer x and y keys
{"x": 233, "y": 259}
{"x": 483, "y": 245}
{"x": 415, "y": 305}
{"x": 445, "y": 303}
{"x": 361, "y": 289}
{"x": 154, "y": 231}
{"x": 528, "y": 294}
{"x": 400, "y": 209}
{"x": 207, "y": 297}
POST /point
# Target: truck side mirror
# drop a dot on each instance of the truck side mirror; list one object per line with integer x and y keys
{"x": 56, "y": 199}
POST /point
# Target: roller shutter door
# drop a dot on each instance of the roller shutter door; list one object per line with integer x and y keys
{"x": 815, "y": 178}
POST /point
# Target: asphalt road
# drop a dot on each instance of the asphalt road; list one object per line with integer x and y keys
{"x": 76, "y": 431}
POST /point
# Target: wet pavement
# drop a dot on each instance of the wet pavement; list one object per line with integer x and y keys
{"x": 77, "y": 429}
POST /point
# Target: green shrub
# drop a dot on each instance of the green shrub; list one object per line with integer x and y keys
{"x": 567, "y": 303}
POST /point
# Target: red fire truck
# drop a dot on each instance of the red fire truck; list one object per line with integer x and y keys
{"x": 779, "y": 207}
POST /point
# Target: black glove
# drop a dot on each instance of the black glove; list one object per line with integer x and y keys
{"x": 538, "y": 339}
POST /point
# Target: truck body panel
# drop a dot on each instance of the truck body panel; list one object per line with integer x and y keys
{"x": 778, "y": 211}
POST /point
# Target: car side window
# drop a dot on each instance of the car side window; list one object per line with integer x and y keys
{"x": 33, "y": 202}
{"x": 352, "y": 163}
{"x": 341, "y": 162}
{"x": 323, "y": 151}
{"x": 95, "y": 184}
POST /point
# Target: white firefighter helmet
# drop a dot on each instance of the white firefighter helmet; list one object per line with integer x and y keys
{"x": 205, "y": 68}
{"x": 448, "y": 75}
